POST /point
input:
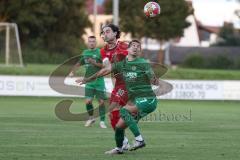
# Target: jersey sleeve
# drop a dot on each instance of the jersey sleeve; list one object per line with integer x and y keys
{"x": 123, "y": 46}
{"x": 124, "y": 52}
{"x": 149, "y": 71}
{"x": 121, "y": 52}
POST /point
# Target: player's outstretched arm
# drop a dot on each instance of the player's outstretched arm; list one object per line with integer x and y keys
{"x": 104, "y": 71}
{"x": 75, "y": 67}
{"x": 100, "y": 65}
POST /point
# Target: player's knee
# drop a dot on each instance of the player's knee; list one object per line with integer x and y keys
{"x": 124, "y": 113}
{"x": 119, "y": 129}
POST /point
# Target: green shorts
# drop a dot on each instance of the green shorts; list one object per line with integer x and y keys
{"x": 145, "y": 106}
{"x": 95, "y": 89}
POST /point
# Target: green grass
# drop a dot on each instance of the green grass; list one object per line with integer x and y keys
{"x": 30, "y": 69}
{"x": 179, "y": 73}
{"x": 205, "y": 74}
{"x": 29, "y": 130}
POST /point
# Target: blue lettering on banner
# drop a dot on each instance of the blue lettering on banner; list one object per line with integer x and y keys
{"x": 18, "y": 86}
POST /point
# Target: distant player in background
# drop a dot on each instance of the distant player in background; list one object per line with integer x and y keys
{"x": 92, "y": 60}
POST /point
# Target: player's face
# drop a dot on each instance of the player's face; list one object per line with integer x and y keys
{"x": 108, "y": 34}
{"x": 135, "y": 49}
{"x": 92, "y": 43}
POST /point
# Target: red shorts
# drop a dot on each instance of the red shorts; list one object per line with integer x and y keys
{"x": 119, "y": 95}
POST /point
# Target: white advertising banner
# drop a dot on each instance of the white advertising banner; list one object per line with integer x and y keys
{"x": 182, "y": 89}
{"x": 26, "y": 86}
{"x": 196, "y": 89}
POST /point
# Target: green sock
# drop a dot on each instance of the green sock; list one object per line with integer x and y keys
{"x": 130, "y": 121}
{"x": 89, "y": 108}
{"x": 102, "y": 111}
{"x": 119, "y": 137}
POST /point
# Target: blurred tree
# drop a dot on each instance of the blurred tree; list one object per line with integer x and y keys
{"x": 168, "y": 25}
{"x": 54, "y": 25}
{"x": 228, "y": 35}
{"x": 237, "y": 11}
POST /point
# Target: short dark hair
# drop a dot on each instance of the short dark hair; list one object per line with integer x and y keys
{"x": 134, "y": 40}
{"x": 92, "y": 37}
{"x": 114, "y": 29}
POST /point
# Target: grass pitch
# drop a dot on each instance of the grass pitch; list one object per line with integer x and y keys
{"x": 183, "y": 130}
{"x": 178, "y": 73}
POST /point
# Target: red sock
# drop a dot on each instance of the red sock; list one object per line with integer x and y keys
{"x": 114, "y": 117}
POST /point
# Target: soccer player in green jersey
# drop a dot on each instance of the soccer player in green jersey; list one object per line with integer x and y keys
{"x": 138, "y": 77}
{"x": 91, "y": 59}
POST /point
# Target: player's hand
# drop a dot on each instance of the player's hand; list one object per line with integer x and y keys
{"x": 71, "y": 74}
{"x": 155, "y": 81}
{"x": 90, "y": 60}
{"x": 81, "y": 81}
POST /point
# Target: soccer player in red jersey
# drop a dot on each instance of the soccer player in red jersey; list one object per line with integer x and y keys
{"x": 115, "y": 51}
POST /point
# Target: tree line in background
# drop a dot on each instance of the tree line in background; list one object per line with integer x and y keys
{"x": 228, "y": 36}
{"x": 170, "y": 24}
{"x": 50, "y": 31}
{"x": 222, "y": 61}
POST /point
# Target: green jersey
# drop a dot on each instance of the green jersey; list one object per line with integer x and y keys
{"x": 137, "y": 75}
{"x": 90, "y": 68}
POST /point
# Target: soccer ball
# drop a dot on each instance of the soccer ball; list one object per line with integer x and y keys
{"x": 152, "y": 9}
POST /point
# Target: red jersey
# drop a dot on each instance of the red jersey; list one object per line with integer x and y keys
{"x": 116, "y": 54}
